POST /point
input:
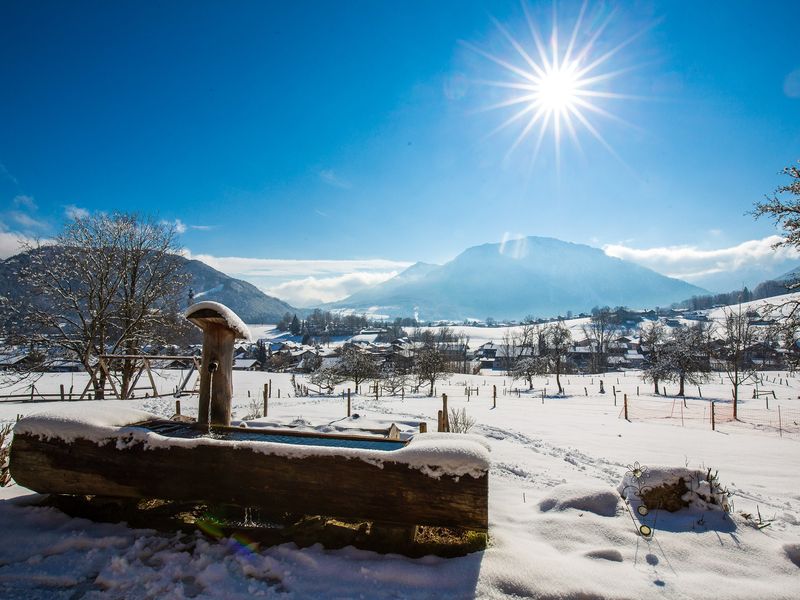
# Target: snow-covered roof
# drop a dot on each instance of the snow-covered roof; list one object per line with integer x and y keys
{"x": 11, "y": 359}
{"x": 245, "y": 363}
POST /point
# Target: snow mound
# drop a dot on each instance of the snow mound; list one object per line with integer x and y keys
{"x": 674, "y": 489}
{"x": 601, "y": 501}
{"x": 231, "y": 318}
{"x": 605, "y": 554}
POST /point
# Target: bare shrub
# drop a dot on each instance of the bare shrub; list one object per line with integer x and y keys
{"x": 253, "y": 410}
{"x": 460, "y": 421}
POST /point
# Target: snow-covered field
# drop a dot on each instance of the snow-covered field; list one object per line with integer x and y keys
{"x": 557, "y": 528}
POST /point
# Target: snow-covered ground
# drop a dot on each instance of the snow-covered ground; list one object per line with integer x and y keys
{"x": 557, "y": 528}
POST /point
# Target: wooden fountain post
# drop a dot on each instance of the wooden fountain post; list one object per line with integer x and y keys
{"x": 216, "y": 371}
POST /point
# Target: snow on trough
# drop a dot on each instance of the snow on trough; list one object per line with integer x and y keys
{"x": 433, "y": 454}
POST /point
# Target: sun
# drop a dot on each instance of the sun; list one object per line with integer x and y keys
{"x": 557, "y": 90}
{"x": 557, "y": 86}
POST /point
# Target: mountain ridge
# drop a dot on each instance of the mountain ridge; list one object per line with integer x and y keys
{"x": 246, "y": 300}
{"x": 538, "y": 276}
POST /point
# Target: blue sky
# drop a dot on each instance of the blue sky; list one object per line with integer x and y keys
{"x": 297, "y": 135}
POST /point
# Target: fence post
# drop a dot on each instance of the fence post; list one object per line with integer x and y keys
{"x": 494, "y": 396}
{"x": 713, "y": 416}
{"x": 699, "y": 392}
{"x": 266, "y": 397}
{"x": 178, "y": 407}
{"x": 615, "y": 397}
{"x": 423, "y": 427}
{"x": 542, "y": 396}
{"x": 445, "y": 417}
{"x": 766, "y": 399}
{"x": 348, "y": 402}
{"x": 625, "y": 400}
{"x": 61, "y": 387}
{"x": 440, "y": 426}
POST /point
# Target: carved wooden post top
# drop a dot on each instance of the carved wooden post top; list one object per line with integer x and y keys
{"x": 212, "y": 314}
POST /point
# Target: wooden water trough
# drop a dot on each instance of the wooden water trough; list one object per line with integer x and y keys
{"x": 433, "y": 479}
{"x": 112, "y": 451}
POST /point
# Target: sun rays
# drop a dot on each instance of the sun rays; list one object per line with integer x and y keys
{"x": 557, "y": 86}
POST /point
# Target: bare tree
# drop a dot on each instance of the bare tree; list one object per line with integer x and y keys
{"x": 394, "y": 381}
{"x": 462, "y": 341}
{"x": 509, "y": 350}
{"x": 326, "y": 379}
{"x": 685, "y": 358}
{"x": 357, "y": 366}
{"x": 600, "y": 330}
{"x": 106, "y": 284}
{"x": 558, "y": 340}
{"x": 653, "y": 339}
{"x": 528, "y": 368}
{"x": 783, "y": 207}
{"x": 737, "y": 337}
{"x": 430, "y": 364}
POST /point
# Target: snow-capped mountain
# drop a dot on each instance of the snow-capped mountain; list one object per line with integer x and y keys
{"x": 531, "y": 276}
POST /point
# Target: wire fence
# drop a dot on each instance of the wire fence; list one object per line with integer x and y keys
{"x": 772, "y": 418}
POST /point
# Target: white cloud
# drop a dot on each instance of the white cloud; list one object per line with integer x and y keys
{"x": 75, "y": 212}
{"x": 11, "y": 243}
{"x": 305, "y": 282}
{"x": 5, "y": 173}
{"x": 292, "y": 268}
{"x": 791, "y": 85}
{"x": 692, "y": 263}
{"x": 312, "y": 291}
{"x": 26, "y": 221}
{"x": 330, "y": 177}
{"x": 181, "y": 227}
{"x": 25, "y": 202}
